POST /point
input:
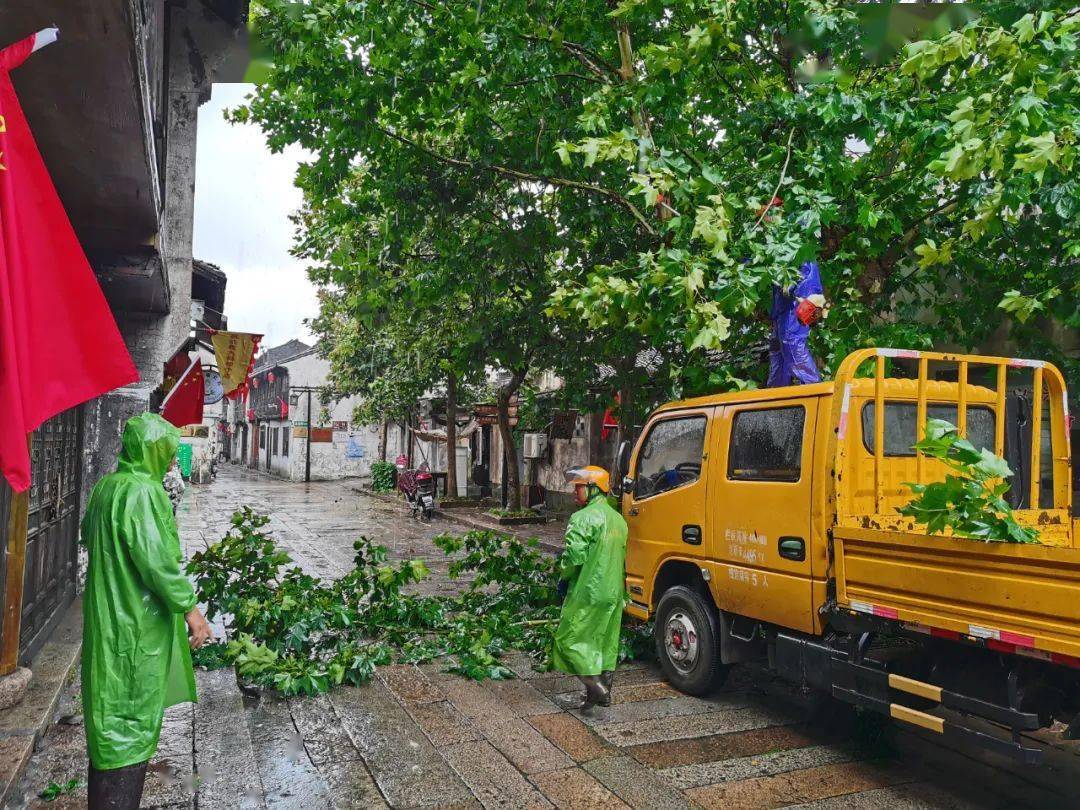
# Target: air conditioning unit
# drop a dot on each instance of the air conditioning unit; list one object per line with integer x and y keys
{"x": 535, "y": 445}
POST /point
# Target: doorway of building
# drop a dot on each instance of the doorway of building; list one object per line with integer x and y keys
{"x": 51, "y": 528}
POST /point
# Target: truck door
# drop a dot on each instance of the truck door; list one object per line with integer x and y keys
{"x": 760, "y": 510}
{"x": 665, "y": 509}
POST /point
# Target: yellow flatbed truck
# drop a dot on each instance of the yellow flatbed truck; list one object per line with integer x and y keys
{"x": 764, "y": 526}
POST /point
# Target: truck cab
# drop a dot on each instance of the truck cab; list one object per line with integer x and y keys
{"x": 764, "y": 526}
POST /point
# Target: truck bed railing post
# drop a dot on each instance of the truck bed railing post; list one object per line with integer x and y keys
{"x": 879, "y": 433}
{"x": 999, "y": 410}
{"x": 920, "y": 416}
{"x": 961, "y": 398}
{"x": 1036, "y": 438}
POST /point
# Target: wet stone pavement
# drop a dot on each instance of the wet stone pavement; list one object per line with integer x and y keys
{"x": 418, "y": 737}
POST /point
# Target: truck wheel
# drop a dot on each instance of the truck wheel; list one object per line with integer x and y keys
{"x": 687, "y": 633}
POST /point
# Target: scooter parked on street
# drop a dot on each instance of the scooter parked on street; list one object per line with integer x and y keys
{"x": 418, "y": 487}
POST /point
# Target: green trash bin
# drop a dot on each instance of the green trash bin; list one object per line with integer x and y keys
{"x": 183, "y": 455}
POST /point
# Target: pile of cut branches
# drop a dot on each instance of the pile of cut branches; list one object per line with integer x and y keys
{"x": 303, "y": 635}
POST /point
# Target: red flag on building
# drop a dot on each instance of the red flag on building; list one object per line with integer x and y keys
{"x": 183, "y": 405}
{"x": 59, "y": 345}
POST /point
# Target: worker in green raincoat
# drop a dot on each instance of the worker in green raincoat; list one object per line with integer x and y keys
{"x": 136, "y": 659}
{"x": 592, "y": 567}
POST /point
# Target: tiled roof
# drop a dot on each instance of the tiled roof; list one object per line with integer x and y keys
{"x": 276, "y": 355}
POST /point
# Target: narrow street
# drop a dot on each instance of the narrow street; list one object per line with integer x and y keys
{"x": 417, "y": 737}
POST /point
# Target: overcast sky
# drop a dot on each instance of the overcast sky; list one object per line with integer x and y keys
{"x": 243, "y": 198}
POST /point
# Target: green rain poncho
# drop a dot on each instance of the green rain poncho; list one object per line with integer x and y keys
{"x": 135, "y": 660}
{"x": 587, "y": 640}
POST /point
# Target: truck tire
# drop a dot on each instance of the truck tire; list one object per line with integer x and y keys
{"x": 687, "y": 634}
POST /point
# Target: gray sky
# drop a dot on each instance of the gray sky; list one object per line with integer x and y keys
{"x": 243, "y": 198}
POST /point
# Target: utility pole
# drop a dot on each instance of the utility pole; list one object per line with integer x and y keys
{"x": 307, "y": 453}
{"x": 294, "y": 391}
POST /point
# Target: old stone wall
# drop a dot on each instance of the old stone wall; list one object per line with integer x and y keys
{"x": 197, "y": 44}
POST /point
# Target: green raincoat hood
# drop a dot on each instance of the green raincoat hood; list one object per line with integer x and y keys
{"x": 149, "y": 446}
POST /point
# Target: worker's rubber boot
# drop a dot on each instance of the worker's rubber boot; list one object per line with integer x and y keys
{"x": 607, "y": 680}
{"x": 116, "y": 789}
{"x": 595, "y": 693}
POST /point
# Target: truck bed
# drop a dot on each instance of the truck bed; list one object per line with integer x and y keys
{"x": 1022, "y": 596}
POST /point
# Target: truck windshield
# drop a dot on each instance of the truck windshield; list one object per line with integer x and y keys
{"x": 900, "y": 432}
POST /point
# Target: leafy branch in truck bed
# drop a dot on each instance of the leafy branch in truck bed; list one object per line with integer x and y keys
{"x": 970, "y": 502}
{"x": 303, "y": 635}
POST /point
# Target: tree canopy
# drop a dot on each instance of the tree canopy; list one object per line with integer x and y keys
{"x": 562, "y": 185}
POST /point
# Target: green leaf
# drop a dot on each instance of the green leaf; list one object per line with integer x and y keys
{"x": 1043, "y": 151}
{"x": 699, "y": 38}
{"x": 1025, "y": 28}
{"x": 930, "y": 254}
{"x": 1022, "y": 307}
{"x": 694, "y": 280}
{"x": 993, "y": 466}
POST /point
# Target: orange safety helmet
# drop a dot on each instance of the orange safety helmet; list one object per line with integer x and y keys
{"x": 592, "y": 474}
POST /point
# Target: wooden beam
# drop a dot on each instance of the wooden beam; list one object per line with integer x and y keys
{"x": 13, "y": 589}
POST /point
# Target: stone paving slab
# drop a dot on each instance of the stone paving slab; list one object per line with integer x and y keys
{"x": 635, "y": 784}
{"x": 572, "y": 736}
{"x": 679, "y": 727}
{"x": 224, "y": 758}
{"x": 320, "y": 729}
{"x": 645, "y": 691}
{"x": 771, "y": 764}
{"x": 528, "y": 749}
{"x": 914, "y": 796}
{"x": 408, "y": 684}
{"x": 290, "y": 780}
{"x": 330, "y": 748}
{"x": 491, "y": 778}
{"x": 799, "y": 786}
{"x": 408, "y": 769}
{"x": 472, "y": 699}
{"x": 520, "y": 697}
{"x": 575, "y": 789}
{"x": 443, "y": 723}
{"x": 626, "y": 713}
{"x": 674, "y": 753}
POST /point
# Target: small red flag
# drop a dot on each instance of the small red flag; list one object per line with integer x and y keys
{"x": 184, "y": 404}
{"x": 59, "y": 345}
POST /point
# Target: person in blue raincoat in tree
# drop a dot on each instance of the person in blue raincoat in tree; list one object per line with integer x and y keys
{"x": 795, "y": 310}
{"x": 592, "y": 567}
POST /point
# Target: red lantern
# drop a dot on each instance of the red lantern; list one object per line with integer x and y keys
{"x": 284, "y": 408}
{"x": 251, "y": 415}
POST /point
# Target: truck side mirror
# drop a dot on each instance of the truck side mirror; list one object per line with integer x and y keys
{"x": 622, "y": 459}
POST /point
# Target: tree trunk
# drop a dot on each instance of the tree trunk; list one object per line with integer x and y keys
{"x": 625, "y": 373}
{"x": 506, "y": 433}
{"x": 382, "y": 441}
{"x": 451, "y": 436}
{"x": 626, "y": 417}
